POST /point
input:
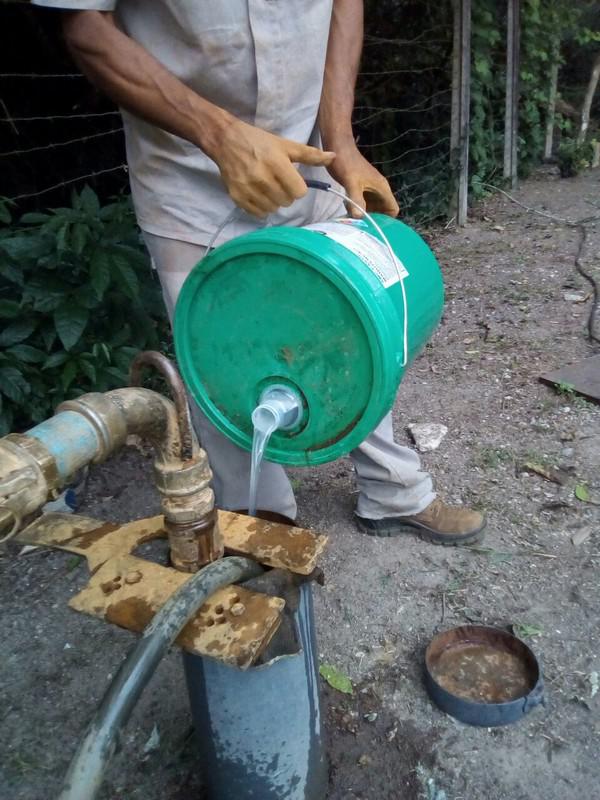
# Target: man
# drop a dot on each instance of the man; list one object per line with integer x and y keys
{"x": 221, "y": 101}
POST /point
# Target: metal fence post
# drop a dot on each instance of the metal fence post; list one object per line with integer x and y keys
{"x": 461, "y": 99}
{"x": 551, "y": 111}
{"x": 511, "y": 120}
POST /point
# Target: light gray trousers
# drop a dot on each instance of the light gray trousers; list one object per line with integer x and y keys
{"x": 388, "y": 475}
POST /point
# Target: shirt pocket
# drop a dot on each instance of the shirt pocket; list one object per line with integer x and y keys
{"x": 219, "y": 64}
{"x": 207, "y": 44}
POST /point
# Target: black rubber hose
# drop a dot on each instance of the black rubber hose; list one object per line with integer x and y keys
{"x": 84, "y": 776}
{"x": 312, "y": 184}
{"x": 591, "y": 323}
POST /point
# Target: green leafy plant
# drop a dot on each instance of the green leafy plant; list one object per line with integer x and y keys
{"x": 77, "y": 301}
{"x": 492, "y": 457}
{"x": 525, "y": 630}
{"x": 487, "y": 93}
{"x": 573, "y": 158}
{"x": 402, "y": 117}
{"x": 565, "y": 388}
{"x": 547, "y": 28}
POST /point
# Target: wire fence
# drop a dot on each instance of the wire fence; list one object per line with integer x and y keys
{"x": 406, "y": 157}
{"x": 403, "y": 112}
{"x": 44, "y": 156}
{"x": 57, "y": 132}
{"x": 411, "y": 117}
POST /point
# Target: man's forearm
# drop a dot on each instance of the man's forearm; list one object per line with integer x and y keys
{"x": 364, "y": 184}
{"x": 341, "y": 68}
{"x": 257, "y": 167}
{"x": 137, "y": 82}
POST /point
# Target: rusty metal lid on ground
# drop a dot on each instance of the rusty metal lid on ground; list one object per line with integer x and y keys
{"x": 483, "y": 675}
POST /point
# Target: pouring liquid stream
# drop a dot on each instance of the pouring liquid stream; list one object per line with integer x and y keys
{"x": 279, "y": 408}
{"x": 265, "y": 424}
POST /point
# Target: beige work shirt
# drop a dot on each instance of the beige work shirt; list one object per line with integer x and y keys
{"x": 262, "y": 60}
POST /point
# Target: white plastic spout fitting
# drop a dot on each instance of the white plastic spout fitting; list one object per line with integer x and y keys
{"x": 280, "y": 408}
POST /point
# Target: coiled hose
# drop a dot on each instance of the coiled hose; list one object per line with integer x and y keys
{"x": 84, "y": 776}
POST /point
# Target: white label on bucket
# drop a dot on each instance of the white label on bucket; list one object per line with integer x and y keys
{"x": 373, "y": 253}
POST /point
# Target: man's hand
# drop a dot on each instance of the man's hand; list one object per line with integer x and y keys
{"x": 258, "y": 169}
{"x": 363, "y": 183}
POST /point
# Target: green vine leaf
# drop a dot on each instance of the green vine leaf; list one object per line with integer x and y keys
{"x": 26, "y": 353}
{"x": 100, "y": 272}
{"x": 125, "y": 274}
{"x": 55, "y": 360}
{"x": 13, "y": 385}
{"x": 68, "y": 374}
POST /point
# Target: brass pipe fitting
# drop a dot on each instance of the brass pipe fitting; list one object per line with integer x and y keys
{"x": 27, "y": 475}
{"x": 188, "y": 504}
{"x": 31, "y": 468}
{"x": 183, "y": 479}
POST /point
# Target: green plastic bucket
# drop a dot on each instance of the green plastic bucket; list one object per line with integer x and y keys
{"x": 319, "y": 309}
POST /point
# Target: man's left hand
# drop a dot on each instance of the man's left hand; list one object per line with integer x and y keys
{"x": 363, "y": 183}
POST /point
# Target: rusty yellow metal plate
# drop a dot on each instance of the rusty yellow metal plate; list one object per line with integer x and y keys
{"x": 128, "y": 591}
{"x": 269, "y": 543}
{"x": 95, "y": 540}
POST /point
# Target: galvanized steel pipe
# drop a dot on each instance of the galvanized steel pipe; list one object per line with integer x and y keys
{"x": 86, "y": 770}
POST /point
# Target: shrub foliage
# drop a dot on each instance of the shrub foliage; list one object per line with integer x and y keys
{"x": 77, "y": 301}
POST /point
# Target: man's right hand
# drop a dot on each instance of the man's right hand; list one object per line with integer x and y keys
{"x": 258, "y": 169}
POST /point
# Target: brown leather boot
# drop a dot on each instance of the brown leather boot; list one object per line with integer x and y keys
{"x": 439, "y": 523}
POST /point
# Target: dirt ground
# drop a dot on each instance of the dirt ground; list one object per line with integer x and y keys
{"x": 515, "y": 308}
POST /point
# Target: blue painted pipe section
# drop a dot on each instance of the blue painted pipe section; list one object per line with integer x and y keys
{"x": 70, "y": 438}
{"x": 259, "y": 730}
